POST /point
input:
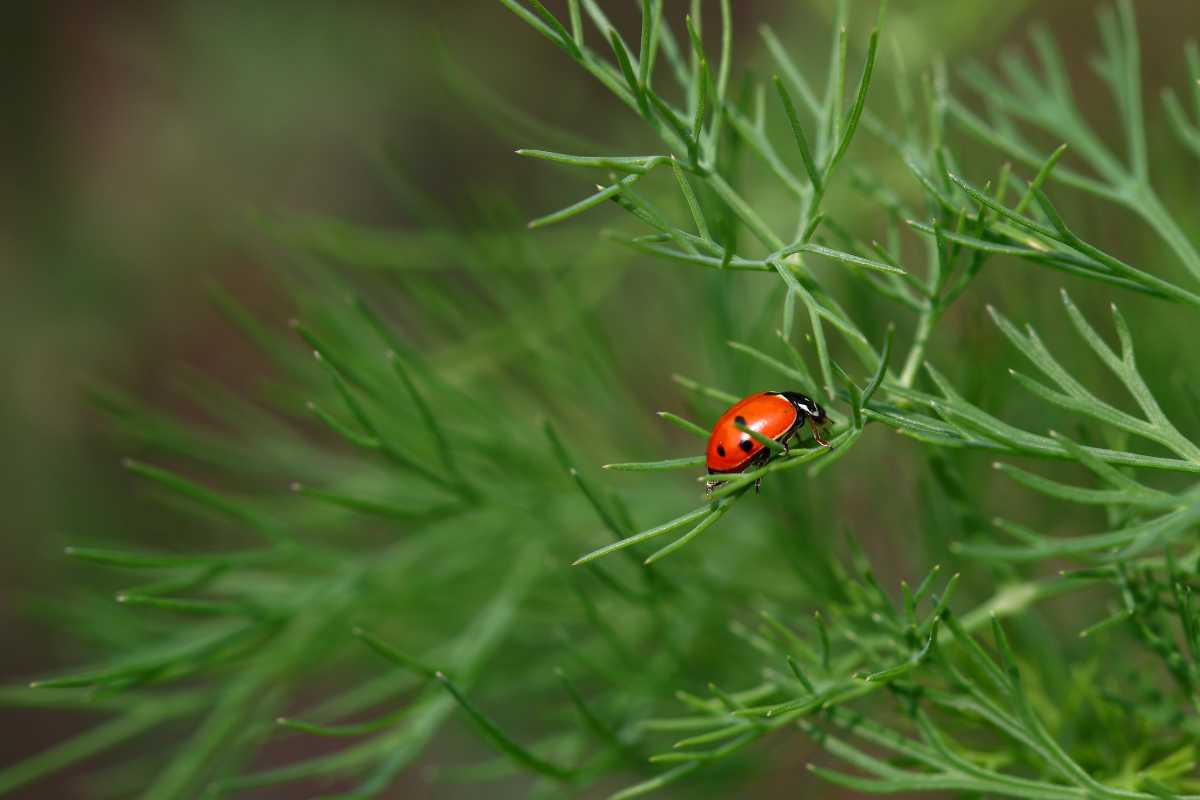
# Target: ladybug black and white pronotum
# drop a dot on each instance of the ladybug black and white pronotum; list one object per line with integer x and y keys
{"x": 776, "y": 415}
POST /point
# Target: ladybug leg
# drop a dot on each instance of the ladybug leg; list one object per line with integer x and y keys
{"x": 817, "y": 434}
{"x": 757, "y": 484}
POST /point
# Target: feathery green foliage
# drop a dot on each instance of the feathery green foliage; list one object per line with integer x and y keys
{"x": 447, "y": 553}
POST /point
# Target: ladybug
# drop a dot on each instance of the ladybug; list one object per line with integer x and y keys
{"x": 776, "y": 415}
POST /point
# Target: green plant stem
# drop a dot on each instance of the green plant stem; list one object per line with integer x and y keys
{"x": 1147, "y": 204}
{"x": 916, "y": 354}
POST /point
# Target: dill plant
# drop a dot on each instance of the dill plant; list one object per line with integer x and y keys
{"x": 432, "y": 559}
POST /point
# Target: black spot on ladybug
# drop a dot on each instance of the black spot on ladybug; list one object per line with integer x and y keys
{"x": 740, "y": 420}
{"x": 721, "y": 450}
{"x": 746, "y": 444}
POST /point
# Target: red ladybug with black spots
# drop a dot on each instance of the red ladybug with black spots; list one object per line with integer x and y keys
{"x": 776, "y": 415}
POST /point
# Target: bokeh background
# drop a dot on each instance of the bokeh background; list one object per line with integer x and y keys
{"x": 144, "y": 143}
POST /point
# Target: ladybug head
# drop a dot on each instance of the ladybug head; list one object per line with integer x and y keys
{"x": 806, "y": 405}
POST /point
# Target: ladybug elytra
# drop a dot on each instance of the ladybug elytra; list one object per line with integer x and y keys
{"x": 776, "y": 415}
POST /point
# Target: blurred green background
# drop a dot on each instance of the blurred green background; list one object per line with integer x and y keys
{"x": 143, "y": 144}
